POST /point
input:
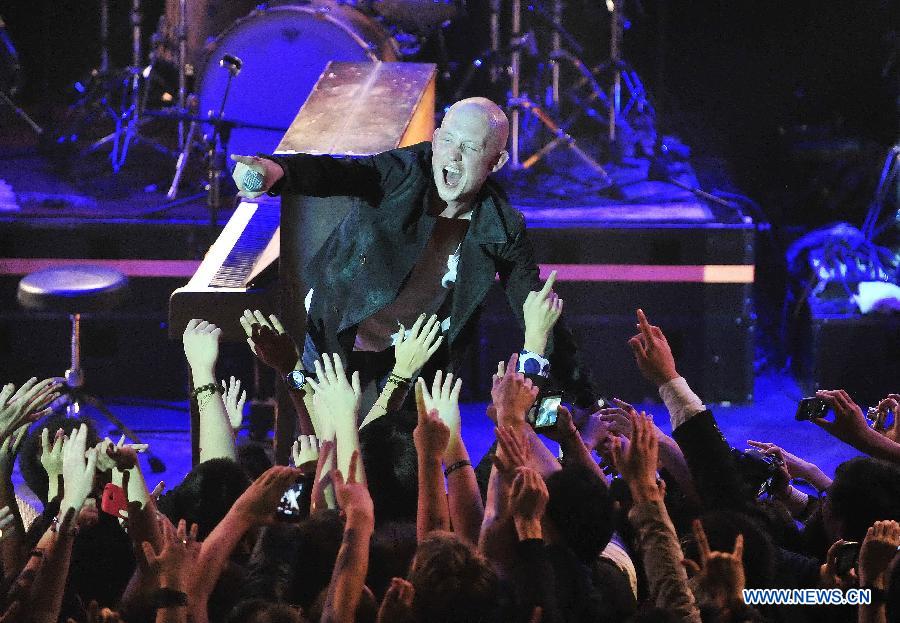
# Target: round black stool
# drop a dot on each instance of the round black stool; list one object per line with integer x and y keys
{"x": 75, "y": 290}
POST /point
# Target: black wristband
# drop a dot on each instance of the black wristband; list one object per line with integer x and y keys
{"x": 168, "y": 598}
{"x": 209, "y": 387}
{"x": 456, "y": 466}
{"x": 398, "y": 380}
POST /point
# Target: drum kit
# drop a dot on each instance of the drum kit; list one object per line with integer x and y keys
{"x": 279, "y": 50}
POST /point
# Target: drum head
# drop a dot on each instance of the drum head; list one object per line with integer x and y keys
{"x": 284, "y": 50}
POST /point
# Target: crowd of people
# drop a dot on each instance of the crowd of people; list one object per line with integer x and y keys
{"x": 394, "y": 521}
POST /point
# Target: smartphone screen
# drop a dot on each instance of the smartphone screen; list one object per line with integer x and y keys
{"x": 544, "y": 414}
{"x": 811, "y": 408}
{"x": 294, "y": 504}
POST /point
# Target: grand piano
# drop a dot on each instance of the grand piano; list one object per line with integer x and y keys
{"x": 257, "y": 260}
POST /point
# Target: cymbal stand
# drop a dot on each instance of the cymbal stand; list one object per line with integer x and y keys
{"x": 127, "y": 130}
{"x": 519, "y": 102}
{"x": 181, "y": 35}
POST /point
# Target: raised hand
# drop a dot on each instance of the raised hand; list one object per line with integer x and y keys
{"x": 352, "y": 496}
{"x": 26, "y": 404}
{"x": 396, "y": 607}
{"x": 720, "y": 574}
{"x": 444, "y": 397}
{"x": 637, "y": 463}
{"x": 652, "y": 352}
{"x": 879, "y": 548}
{"x": 234, "y": 402}
{"x": 51, "y": 459}
{"x": 269, "y": 341}
{"x": 794, "y": 465}
{"x": 305, "y": 452}
{"x": 336, "y": 399}
{"x": 413, "y": 351}
{"x": 511, "y": 393}
{"x": 269, "y": 171}
{"x": 431, "y": 436}
{"x": 9, "y": 449}
{"x": 257, "y": 504}
{"x": 201, "y": 345}
{"x": 79, "y": 467}
{"x": 513, "y": 451}
{"x": 541, "y": 310}
{"x": 176, "y": 561}
{"x": 528, "y": 495}
{"x": 849, "y": 424}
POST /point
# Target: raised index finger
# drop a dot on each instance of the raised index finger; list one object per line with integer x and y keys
{"x": 548, "y": 285}
{"x": 644, "y": 324}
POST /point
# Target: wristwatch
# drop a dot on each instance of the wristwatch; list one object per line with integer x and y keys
{"x": 296, "y": 379}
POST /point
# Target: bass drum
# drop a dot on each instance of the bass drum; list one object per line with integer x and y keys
{"x": 284, "y": 50}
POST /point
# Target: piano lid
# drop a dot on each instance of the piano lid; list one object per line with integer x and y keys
{"x": 340, "y": 117}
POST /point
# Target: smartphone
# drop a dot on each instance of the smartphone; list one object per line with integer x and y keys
{"x": 294, "y": 504}
{"x": 811, "y": 408}
{"x": 846, "y": 558}
{"x": 543, "y": 415}
{"x": 114, "y": 500}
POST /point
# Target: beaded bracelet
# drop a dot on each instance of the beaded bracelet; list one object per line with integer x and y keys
{"x": 209, "y": 387}
{"x": 456, "y": 466}
{"x": 396, "y": 379}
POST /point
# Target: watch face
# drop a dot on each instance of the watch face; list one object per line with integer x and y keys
{"x": 296, "y": 379}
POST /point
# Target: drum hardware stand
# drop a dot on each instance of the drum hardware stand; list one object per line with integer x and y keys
{"x": 521, "y": 103}
{"x": 7, "y": 94}
{"x": 128, "y": 123}
{"x": 6, "y": 99}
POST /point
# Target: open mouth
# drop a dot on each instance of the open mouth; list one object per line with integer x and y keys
{"x": 452, "y": 177}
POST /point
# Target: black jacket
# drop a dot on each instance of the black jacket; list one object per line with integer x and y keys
{"x": 364, "y": 263}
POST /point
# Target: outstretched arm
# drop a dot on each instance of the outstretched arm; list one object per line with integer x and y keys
{"x": 431, "y": 437}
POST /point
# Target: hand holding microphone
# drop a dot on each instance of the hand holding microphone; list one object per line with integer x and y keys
{"x": 255, "y": 176}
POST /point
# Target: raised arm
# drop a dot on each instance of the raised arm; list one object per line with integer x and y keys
{"x": 431, "y": 437}
{"x": 657, "y": 542}
{"x": 201, "y": 347}
{"x": 879, "y": 549}
{"x": 411, "y": 352}
{"x": 349, "y": 575}
{"x": 275, "y": 348}
{"x": 463, "y": 495}
{"x": 519, "y": 276}
{"x": 14, "y": 547}
{"x": 337, "y": 400}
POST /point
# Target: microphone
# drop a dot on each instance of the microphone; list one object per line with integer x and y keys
{"x": 232, "y": 63}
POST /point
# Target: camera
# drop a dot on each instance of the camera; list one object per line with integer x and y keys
{"x": 758, "y": 470}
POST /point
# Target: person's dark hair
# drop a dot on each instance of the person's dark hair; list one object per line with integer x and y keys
{"x": 262, "y": 611}
{"x": 390, "y": 554}
{"x": 654, "y": 615}
{"x": 389, "y": 458}
{"x": 205, "y": 495}
{"x": 33, "y": 472}
{"x": 722, "y": 528}
{"x": 864, "y": 490}
{"x": 581, "y": 511}
{"x": 452, "y": 582}
{"x": 270, "y": 570}
{"x": 319, "y": 538}
{"x": 252, "y": 457}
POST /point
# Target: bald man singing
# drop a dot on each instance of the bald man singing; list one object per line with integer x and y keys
{"x": 431, "y": 235}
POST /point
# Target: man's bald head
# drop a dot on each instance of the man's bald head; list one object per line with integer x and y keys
{"x": 489, "y": 111}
